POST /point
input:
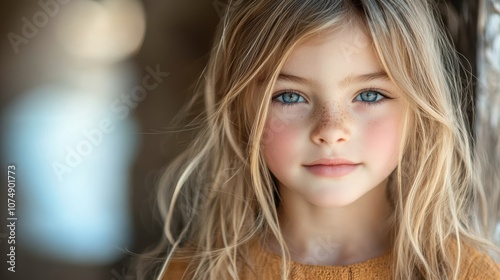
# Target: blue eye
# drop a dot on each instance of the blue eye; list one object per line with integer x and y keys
{"x": 289, "y": 98}
{"x": 370, "y": 96}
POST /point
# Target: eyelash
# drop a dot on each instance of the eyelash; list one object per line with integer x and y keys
{"x": 378, "y": 91}
{"x": 281, "y": 93}
{"x": 374, "y": 103}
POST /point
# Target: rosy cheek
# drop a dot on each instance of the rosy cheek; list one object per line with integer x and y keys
{"x": 382, "y": 138}
{"x": 280, "y": 142}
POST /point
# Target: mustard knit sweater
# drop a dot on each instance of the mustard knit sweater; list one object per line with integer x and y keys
{"x": 475, "y": 265}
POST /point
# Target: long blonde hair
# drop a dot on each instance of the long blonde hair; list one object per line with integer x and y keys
{"x": 218, "y": 196}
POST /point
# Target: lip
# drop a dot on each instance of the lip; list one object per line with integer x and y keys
{"x": 331, "y": 161}
{"x": 331, "y": 167}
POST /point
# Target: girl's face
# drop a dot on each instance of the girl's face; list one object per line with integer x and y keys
{"x": 335, "y": 123}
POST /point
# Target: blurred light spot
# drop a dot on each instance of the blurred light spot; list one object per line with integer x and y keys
{"x": 492, "y": 40}
{"x": 85, "y": 216}
{"x": 104, "y": 31}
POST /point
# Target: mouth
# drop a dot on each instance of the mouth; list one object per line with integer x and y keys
{"x": 331, "y": 167}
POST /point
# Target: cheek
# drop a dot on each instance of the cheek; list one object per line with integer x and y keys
{"x": 383, "y": 137}
{"x": 280, "y": 142}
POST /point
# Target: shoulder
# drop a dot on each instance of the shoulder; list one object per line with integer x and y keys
{"x": 176, "y": 270}
{"x": 478, "y": 265}
{"x": 185, "y": 260}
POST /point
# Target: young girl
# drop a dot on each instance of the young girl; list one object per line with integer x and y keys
{"x": 333, "y": 145}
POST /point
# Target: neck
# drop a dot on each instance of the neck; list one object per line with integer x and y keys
{"x": 335, "y": 236}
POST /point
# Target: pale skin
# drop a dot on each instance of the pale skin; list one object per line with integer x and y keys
{"x": 334, "y": 100}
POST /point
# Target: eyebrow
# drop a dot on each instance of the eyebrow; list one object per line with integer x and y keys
{"x": 351, "y": 79}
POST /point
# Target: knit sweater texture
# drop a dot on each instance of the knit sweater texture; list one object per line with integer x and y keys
{"x": 474, "y": 265}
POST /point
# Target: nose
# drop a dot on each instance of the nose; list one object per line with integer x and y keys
{"x": 331, "y": 125}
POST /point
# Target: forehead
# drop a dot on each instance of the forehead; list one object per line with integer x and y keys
{"x": 348, "y": 48}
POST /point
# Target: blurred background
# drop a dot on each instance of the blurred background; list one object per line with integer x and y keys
{"x": 88, "y": 89}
